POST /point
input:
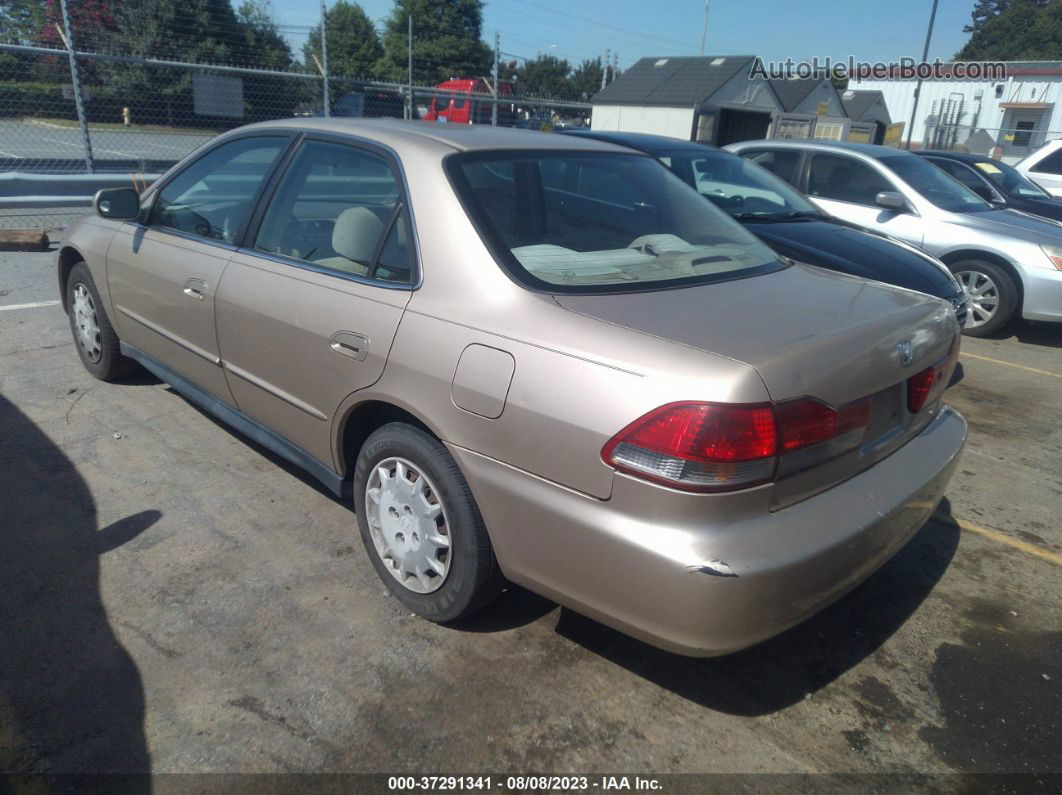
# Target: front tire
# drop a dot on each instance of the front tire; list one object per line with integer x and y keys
{"x": 991, "y": 296}
{"x": 94, "y": 337}
{"x": 421, "y": 526}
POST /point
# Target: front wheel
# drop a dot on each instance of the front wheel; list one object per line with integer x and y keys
{"x": 421, "y": 526}
{"x": 96, "y": 340}
{"x": 991, "y": 296}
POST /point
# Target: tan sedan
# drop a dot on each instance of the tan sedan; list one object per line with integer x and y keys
{"x": 532, "y": 358}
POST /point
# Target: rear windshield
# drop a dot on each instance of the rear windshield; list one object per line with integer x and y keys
{"x": 567, "y": 221}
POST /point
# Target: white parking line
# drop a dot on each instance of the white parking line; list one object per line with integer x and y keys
{"x": 33, "y": 305}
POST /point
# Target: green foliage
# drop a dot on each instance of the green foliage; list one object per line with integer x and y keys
{"x": 545, "y": 76}
{"x": 353, "y": 46}
{"x": 21, "y": 21}
{"x": 1014, "y": 30}
{"x": 586, "y": 79}
{"x": 447, "y": 41}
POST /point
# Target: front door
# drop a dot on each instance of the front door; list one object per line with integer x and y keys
{"x": 846, "y": 187}
{"x": 163, "y": 274}
{"x": 307, "y": 311}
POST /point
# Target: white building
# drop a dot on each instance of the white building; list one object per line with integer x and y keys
{"x": 718, "y": 100}
{"x": 1005, "y": 118}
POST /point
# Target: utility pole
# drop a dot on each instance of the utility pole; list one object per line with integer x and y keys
{"x": 604, "y": 69}
{"x": 704, "y": 26}
{"x": 494, "y": 81}
{"x": 75, "y": 77}
{"x": 918, "y": 85}
{"x": 409, "y": 65}
{"x": 324, "y": 58}
{"x": 615, "y": 63}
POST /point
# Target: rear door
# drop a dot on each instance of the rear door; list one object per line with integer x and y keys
{"x": 307, "y": 310}
{"x": 163, "y": 272}
{"x": 846, "y": 187}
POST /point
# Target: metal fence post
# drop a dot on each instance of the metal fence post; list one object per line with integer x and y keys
{"x": 75, "y": 77}
{"x": 324, "y": 58}
{"x": 494, "y": 82}
{"x": 409, "y": 65}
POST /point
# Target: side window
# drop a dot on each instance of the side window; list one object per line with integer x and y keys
{"x": 1052, "y": 164}
{"x": 334, "y": 207}
{"x": 845, "y": 179}
{"x": 213, "y": 196}
{"x": 782, "y": 162}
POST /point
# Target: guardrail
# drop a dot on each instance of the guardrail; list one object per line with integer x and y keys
{"x": 20, "y": 190}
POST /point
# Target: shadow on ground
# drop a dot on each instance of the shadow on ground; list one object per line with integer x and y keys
{"x": 1046, "y": 335}
{"x": 71, "y": 698}
{"x": 782, "y": 671}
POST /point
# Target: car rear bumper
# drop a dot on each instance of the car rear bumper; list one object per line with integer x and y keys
{"x": 705, "y": 575}
{"x": 1043, "y": 295}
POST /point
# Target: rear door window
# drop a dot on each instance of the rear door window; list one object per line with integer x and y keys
{"x": 339, "y": 207}
{"x": 1052, "y": 164}
{"x": 785, "y": 163}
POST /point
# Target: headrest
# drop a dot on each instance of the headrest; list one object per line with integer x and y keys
{"x": 356, "y": 233}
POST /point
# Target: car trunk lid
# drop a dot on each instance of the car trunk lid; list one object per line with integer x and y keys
{"x": 809, "y": 333}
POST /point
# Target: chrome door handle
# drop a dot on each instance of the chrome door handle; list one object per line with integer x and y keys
{"x": 347, "y": 343}
{"x": 194, "y": 288}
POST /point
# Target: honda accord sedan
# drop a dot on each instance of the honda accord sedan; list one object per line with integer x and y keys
{"x": 534, "y": 359}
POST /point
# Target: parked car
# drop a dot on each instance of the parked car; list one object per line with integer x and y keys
{"x": 1044, "y": 166}
{"x": 787, "y": 222}
{"x": 997, "y": 183}
{"x": 460, "y": 101}
{"x": 370, "y": 103}
{"x": 532, "y": 357}
{"x": 1008, "y": 263}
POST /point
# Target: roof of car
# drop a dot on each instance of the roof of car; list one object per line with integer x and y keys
{"x": 870, "y": 150}
{"x": 447, "y": 137}
{"x": 964, "y": 156}
{"x": 644, "y": 142}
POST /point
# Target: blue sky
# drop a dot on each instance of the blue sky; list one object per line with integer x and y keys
{"x": 774, "y": 29}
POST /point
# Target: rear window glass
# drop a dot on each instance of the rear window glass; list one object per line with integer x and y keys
{"x": 578, "y": 222}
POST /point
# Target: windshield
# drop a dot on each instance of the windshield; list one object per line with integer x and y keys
{"x": 741, "y": 187}
{"x": 944, "y": 191}
{"x": 575, "y": 222}
{"x": 1010, "y": 180}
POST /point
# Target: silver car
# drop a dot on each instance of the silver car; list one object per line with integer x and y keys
{"x": 529, "y": 357}
{"x": 1009, "y": 263}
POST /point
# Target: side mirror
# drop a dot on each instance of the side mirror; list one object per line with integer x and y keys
{"x": 121, "y": 204}
{"x": 891, "y": 200}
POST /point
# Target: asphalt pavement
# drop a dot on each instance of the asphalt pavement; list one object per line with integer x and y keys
{"x": 177, "y": 599}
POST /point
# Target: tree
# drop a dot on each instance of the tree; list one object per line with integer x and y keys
{"x": 586, "y": 79}
{"x": 353, "y": 46}
{"x": 262, "y": 45}
{"x": 447, "y": 41}
{"x": 1013, "y": 30}
{"x": 545, "y": 76}
{"x": 21, "y": 21}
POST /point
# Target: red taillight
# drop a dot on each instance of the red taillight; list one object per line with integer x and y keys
{"x": 699, "y": 446}
{"x": 919, "y": 386}
{"x": 720, "y": 447}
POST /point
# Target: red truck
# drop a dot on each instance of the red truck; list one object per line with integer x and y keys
{"x": 462, "y": 107}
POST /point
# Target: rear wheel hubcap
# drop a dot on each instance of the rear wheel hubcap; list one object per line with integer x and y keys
{"x": 86, "y": 323}
{"x": 408, "y": 525}
{"x": 982, "y": 297}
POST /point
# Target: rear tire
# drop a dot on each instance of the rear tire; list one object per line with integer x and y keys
{"x": 991, "y": 296}
{"x": 421, "y": 526}
{"x": 94, "y": 337}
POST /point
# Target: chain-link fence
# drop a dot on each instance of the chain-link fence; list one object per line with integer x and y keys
{"x": 1009, "y": 144}
{"x": 107, "y": 106}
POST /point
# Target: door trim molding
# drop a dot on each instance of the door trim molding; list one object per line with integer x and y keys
{"x": 143, "y": 321}
{"x": 243, "y": 424}
{"x": 275, "y": 391}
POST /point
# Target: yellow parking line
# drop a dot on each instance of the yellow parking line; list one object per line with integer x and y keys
{"x": 1011, "y": 364}
{"x": 1024, "y": 546}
